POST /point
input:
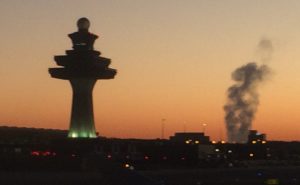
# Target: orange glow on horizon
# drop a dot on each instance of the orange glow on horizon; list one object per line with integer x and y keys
{"x": 174, "y": 61}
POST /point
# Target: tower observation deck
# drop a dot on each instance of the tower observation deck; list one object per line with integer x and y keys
{"x": 82, "y": 66}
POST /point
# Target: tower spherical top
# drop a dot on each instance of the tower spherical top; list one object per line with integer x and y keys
{"x": 83, "y": 23}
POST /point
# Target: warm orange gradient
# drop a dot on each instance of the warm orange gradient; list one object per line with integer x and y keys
{"x": 174, "y": 60}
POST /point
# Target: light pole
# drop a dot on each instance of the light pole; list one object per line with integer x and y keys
{"x": 204, "y": 126}
{"x": 163, "y": 128}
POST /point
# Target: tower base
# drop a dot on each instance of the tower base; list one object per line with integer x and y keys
{"x": 82, "y": 116}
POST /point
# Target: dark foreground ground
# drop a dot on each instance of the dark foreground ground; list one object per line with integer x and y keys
{"x": 229, "y": 176}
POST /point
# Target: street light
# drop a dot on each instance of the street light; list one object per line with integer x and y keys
{"x": 204, "y": 126}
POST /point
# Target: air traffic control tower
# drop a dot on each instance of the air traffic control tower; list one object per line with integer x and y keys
{"x": 82, "y": 66}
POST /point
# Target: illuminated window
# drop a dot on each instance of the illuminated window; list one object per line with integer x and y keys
{"x": 35, "y": 153}
{"x": 127, "y": 165}
{"x": 131, "y": 168}
{"x": 272, "y": 181}
{"x": 46, "y": 153}
{"x": 74, "y": 135}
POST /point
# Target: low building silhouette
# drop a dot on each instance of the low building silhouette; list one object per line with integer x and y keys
{"x": 190, "y": 138}
{"x": 256, "y": 137}
{"x": 23, "y": 135}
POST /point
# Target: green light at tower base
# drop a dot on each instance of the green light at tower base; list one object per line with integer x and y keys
{"x": 79, "y": 134}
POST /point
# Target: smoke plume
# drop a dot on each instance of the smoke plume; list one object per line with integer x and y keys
{"x": 265, "y": 50}
{"x": 243, "y": 97}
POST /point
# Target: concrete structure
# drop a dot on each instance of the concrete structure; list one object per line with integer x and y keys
{"x": 82, "y": 66}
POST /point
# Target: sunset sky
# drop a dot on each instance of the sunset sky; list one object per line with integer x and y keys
{"x": 174, "y": 60}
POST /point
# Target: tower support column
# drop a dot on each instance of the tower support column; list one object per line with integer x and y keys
{"x": 82, "y": 116}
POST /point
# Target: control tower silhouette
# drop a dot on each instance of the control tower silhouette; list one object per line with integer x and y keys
{"x": 82, "y": 66}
